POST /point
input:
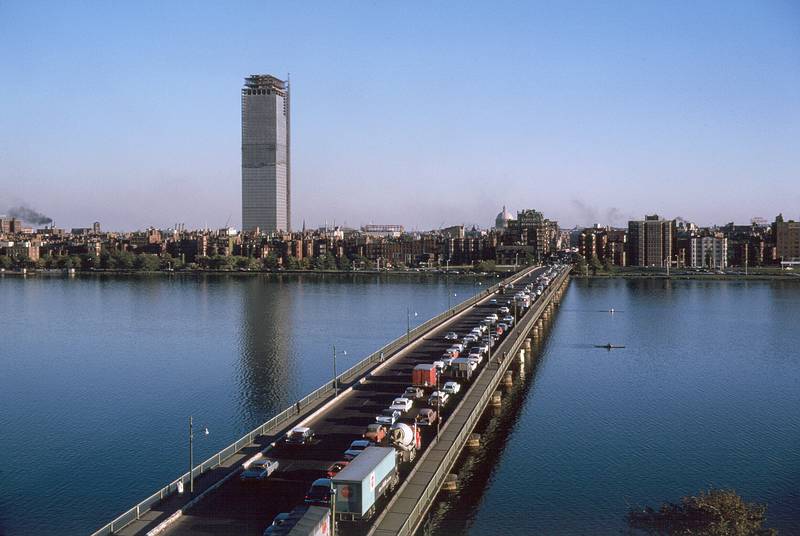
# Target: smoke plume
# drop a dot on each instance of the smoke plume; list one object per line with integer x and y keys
{"x": 29, "y": 215}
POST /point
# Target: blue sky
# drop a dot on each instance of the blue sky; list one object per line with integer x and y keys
{"x": 419, "y": 113}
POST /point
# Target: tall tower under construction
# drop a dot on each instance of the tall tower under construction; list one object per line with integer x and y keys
{"x": 266, "y": 167}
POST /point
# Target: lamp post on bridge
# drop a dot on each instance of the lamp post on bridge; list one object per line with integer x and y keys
{"x": 335, "y": 377}
{"x": 191, "y": 452}
{"x": 408, "y": 324}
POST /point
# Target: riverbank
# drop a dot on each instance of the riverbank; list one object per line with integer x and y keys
{"x": 402, "y": 273}
{"x": 694, "y": 276}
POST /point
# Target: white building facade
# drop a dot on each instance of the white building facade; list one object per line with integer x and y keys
{"x": 709, "y": 252}
{"x": 266, "y": 151}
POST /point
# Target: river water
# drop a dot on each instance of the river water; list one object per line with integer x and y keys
{"x": 100, "y": 374}
{"x": 706, "y": 393}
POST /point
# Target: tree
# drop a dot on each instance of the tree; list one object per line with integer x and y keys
{"x": 147, "y": 262}
{"x": 581, "y": 265}
{"x": 486, "y": 266}
{"x": 89, "y": 261}
{"x": 5, "y": 262}
{"x": 270, "y": 261}
{"x": 595, "y": 265}
{"x": 716, "y": 512}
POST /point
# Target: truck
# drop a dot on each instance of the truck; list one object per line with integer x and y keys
{"x": 358, "y": 486}
{"x": 407, "y": 440}
{"x": 304, "y": 520}
{"x": 463, "y": 368}
{"x": 424, "y": 375}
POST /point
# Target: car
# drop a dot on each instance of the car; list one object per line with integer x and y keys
{"x": 493, "y": 316}
{"x": 279, "y": 520}
{"x": 300, "y": 435}
{"x": 503, "y": 325}
{"x": 508, "y": 320}
{"x": 334, "y": 468}
{"x": 488, "y": 340}
{"x": 356, "y": 448}
{"x": 413, "y": 393}
{"x": 457, "y": 346}
{"x": 452, "y": 352}
{"x": 484, "y": 347}
{"x": 451, "y": 388}
{"x": 319, "y": 494}
{"x": 475, "y": 353}
{"x": 388, "y": 417}
{"x": 504, "y": 310}
{"x": 259, "y": 470}
{"x": 404, "y": 404}
{"x": 493, "y": 301}
{"x": 451, "y": 336}
{"x": 472, "y": 337}
{"x": 426, "y": 417}
{"x": 375, "y": 432}
{"x": 440, "y": 365}
{"x": 499, "y": 331}
{"x": 438, "y": 398}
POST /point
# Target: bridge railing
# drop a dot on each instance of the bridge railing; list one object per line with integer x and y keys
{"x": 434, "y": 485}
{"x": 276, "y": 423}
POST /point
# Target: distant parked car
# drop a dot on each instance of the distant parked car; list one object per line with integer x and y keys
{"x": 426, "y": 417}
{"x": 336, "y": 467}
{"x": 375, "y": 432}
{"x": 451, "y": 336}
{"x": 300, "y": 435}
{"x": 319, "y": 494}
{"x": 259, "y": 470}
{"x": 388, "y": 417}
{"x": 504, "y": 310}
{"x": 451, "y": 388}
{"x": 402, "y": 404}
{"x": 356, "y": 448}
{"x": 439, "y": 398}
{"x": 414, "y": 393}
{"x": 279, "y": 520}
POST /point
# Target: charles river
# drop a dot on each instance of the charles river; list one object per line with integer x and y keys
{"x": 100, "y": 374}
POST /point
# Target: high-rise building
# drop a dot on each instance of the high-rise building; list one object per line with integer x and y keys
{"x": 266, "y": 163}
{"x": 709, "y": 252}
{"x": 650, "y": 242}
{"x": 787, "y": 238}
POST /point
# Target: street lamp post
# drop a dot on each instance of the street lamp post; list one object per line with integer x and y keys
{"x": 408, "y": 325}
{"x": 335, "y": 378}
{"x": 191, "y": 457}
{"x": 438, "y": 406}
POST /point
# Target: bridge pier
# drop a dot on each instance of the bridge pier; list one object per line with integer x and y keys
{"x": 474, "y": 441}
{"x": 497, "y": 398}
{"x": 450, "y": 482}
{"x": 508, "y": 379}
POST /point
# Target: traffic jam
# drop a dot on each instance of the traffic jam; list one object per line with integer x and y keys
{"x": 354, "y": 487}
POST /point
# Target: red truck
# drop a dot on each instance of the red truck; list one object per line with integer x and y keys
{"x": 424, "y": 375}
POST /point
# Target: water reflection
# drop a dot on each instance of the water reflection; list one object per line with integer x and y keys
{"x": 265, "y": 370}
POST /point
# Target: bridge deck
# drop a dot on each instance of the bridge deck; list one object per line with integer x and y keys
{"x": 239, "y": 508}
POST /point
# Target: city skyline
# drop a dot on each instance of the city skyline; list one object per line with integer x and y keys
{"x": 590, "y": 114}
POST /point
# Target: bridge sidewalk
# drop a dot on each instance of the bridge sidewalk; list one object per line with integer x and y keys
{"x": 401, "y": 508}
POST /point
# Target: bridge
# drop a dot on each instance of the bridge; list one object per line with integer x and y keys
{"x": 222, "y": 504}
